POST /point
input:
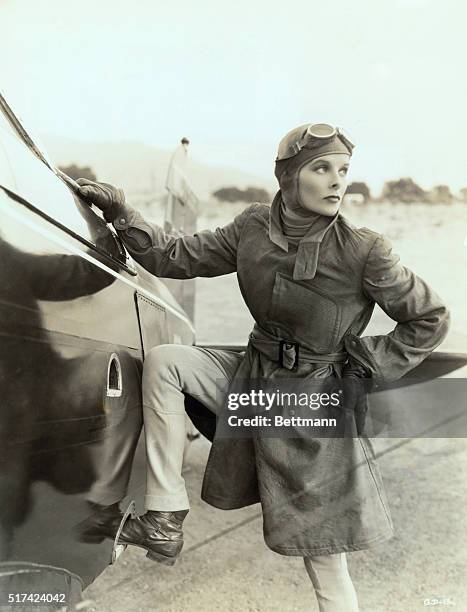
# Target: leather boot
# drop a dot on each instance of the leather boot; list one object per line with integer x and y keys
{"x": 158, "y": 532}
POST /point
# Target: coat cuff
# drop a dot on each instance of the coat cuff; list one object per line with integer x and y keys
{"x": 124, "y": 217}
{"x": 355, "y": 368}
{"x": 358, "y": 353}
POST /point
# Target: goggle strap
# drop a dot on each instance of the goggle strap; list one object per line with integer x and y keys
{"x": 296, "y": 147}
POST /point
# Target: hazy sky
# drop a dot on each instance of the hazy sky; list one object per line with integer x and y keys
{"x": 235, "y": 76}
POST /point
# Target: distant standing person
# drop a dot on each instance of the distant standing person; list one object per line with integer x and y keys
{"x": 311, "y": 280}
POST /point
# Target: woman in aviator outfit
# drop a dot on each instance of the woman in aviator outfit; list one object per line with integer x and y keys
{"x": 311, "y": 280}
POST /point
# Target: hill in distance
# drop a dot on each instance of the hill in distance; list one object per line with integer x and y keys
{"x": 139, "y": 168}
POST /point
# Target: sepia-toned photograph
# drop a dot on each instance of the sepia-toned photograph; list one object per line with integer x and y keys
{"x": 233, "y": 331}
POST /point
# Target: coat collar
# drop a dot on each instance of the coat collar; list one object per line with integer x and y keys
{"x": 306, "y": 261}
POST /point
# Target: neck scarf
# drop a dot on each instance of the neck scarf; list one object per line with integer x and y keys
{"x": 295, "y": 225}
{"x": 313, "y": 232}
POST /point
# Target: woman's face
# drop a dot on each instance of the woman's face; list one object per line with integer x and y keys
{"x": 322, "y": 183}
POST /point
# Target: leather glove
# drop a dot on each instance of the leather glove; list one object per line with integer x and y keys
{"x": 355, "y": 398}
{"x": 108, "y": 198}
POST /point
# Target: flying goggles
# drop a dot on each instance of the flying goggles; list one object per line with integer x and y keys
{"x": 315, "y": 135}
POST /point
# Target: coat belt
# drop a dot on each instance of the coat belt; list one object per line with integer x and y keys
{"x": 287, "y": 352}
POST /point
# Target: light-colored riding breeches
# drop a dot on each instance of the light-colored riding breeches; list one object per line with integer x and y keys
{"x": 170, "y": 370}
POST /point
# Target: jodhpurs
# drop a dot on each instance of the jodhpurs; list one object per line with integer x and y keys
{"x": 170, "y": 370}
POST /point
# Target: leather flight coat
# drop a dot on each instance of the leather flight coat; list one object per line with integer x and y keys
{"x": 318, "y": 495}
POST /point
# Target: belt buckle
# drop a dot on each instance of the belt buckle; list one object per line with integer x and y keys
{"x": 296, "y": 346}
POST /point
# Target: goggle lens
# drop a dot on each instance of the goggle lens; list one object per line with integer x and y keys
{"x": 321, "y": 130}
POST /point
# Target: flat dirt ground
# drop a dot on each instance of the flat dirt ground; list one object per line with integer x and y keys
{"x": 226, "y": 565}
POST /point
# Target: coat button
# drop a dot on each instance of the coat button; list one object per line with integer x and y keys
{"x": 122, "y": 220}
